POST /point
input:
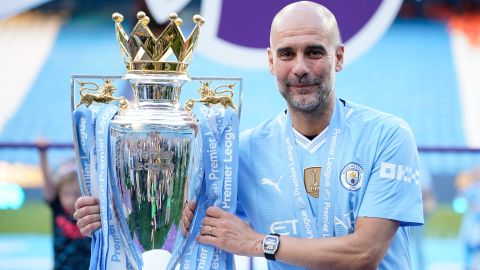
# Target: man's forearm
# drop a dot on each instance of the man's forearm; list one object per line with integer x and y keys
{"x": 328, "y": 253}
{"x": 364, "y": 249}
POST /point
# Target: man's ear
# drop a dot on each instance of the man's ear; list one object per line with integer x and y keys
{"x": 270, "y": 60}
{"x": 339, "y": 58}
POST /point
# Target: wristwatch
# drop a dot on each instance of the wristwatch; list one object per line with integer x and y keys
{"x": 270, "y": 244}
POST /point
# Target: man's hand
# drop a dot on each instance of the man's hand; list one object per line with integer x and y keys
{"x": 230, "y": 233}
{"x": 187, "y": 217}
{"x": 87, "y": 214}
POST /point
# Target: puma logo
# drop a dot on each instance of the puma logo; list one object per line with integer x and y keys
{"x": 270, "y": 182}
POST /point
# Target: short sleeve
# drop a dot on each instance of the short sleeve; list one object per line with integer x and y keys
{"x": 393, "y": 190}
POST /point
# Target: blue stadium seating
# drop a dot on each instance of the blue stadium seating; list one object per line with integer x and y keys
{"x": 409, "y": 73}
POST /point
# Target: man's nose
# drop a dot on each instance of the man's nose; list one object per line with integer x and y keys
{"x": 300, "y": 68}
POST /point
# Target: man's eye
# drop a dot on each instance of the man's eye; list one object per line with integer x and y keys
{"x": 286, "y": 55}
{"x": 315, "y": 53}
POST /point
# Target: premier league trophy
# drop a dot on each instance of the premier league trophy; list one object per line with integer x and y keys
{"x": 143, "y": 159}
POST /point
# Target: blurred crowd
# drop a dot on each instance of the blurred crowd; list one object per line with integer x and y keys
{"x": 440, "y": 9}
{"x": 468, "y": 186}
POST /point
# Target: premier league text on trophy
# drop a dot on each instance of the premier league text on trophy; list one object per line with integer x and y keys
{"x": 230, "y": 135}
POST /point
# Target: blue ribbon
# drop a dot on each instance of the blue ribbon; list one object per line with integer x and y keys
{"x": 83, "y": 124}
{"x": 114, "y": 256}
{"x": 82, "y": 119}
{"x": 91, "y": 134}
{"x": 101, "y": 141}
{"x": 185, "y": 248}
{"x": 220, "y": 163}
{"x": 329, "y": 195}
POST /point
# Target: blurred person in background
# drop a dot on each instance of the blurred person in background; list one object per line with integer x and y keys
{"x": 60, "y": 191}
{"x": 429, "y": 203}
{"x": 468, "y": 184}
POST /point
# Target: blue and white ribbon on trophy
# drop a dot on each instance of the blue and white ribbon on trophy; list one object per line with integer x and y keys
{"x": 220, "y": 163}
{"x": 83, "y": 119}
{"x": 91, "y": 128}
{"x": 84, "y": 126}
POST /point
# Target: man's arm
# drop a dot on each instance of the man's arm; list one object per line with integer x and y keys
{"x": 363, "y": 249}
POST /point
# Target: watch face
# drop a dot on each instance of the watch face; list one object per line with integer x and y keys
{"x": 270, "y": 244}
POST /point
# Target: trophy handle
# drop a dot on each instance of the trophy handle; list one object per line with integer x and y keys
{"x": 231, "y": 96}
{"x": 104, "y": 92}
{"x": 212, "y": 97}
{"x": 103, "y": 95}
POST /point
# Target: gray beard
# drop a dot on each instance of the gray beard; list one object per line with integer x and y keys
{"x": 319, "y": 104}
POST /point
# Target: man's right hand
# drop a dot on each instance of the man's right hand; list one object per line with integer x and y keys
{"x": 87, "y": 214}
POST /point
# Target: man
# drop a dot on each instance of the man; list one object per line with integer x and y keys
{"x": 337, "y": 180}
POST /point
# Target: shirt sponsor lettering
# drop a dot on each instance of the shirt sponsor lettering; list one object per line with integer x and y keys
{"x": 284, "y": 227}
{"x": 399, "y": 172}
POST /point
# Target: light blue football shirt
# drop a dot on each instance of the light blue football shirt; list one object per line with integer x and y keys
{"x": 374, "y": 173}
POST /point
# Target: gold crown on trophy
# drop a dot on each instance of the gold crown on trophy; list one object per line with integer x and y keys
{"x": 144, "y": 53}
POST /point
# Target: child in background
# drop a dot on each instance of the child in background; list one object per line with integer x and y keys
{"x": 61, "y": 190}
{"x": 468, "y": 184}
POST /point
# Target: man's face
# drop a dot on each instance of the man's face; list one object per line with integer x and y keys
{"x": 304, "y": 60}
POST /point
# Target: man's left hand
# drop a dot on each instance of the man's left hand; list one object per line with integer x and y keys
{"x": 228, "y": 232}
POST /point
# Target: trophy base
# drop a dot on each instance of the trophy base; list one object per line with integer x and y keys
{"x": 156, "y": 259}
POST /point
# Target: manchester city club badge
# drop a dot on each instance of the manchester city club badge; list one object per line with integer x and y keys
{"x": 311, "y": 179}
{"x": 352, "y": 176}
